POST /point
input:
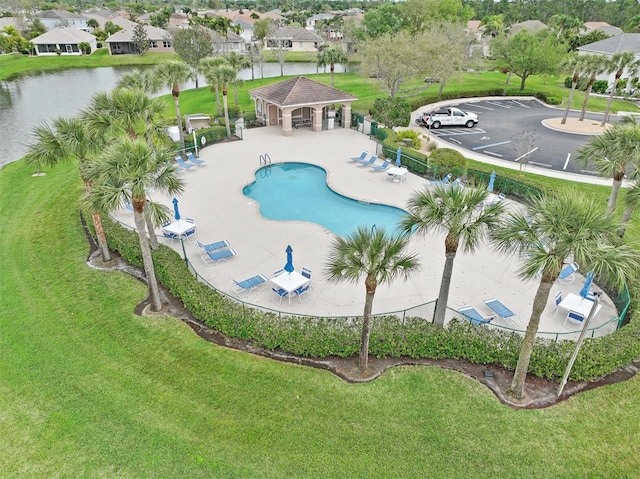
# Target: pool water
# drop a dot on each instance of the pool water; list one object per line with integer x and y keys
{"x": 299, "y": 191}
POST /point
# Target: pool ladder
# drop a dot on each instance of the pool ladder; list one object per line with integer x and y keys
{"x": 265, "y": 159}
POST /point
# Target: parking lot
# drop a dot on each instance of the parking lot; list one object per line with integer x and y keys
{"x": 510, "y": 127}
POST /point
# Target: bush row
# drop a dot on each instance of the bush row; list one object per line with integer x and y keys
{"x": 390, "y": 336}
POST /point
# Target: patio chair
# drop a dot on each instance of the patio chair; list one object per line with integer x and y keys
{"x": 166, "y": 234}
{"x": 501, "y": 310}
{"x": 213, "y": 246}
{"x": 212, "y": 257}
{"x": 278, "y": 272}
{"x": 575, "y": 318}
{"x": 557, "y": 300}
{"x": 243, "y": 288}
{"x": 182, "y": 163}
{"x": 279, "y": 293}
{"x": 474, "y": 317}
{"x": 191, "y": 157}
{"x": 301, "y": 291}
{"x": 567, "y": 275}
{"x": 306, "y": 273}
{"x": 357, "y": 159}
{"x": 369, "y": 162}
{"x": 442, "y": 182}
{"x": 383, "y": 167}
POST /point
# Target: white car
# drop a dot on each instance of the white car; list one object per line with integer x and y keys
{"x": 448, "y": 117}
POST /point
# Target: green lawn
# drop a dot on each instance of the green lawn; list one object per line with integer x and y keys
{"x": 87, "y": 389}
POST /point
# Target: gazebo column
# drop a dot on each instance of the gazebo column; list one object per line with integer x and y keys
{"x": 317, "y": 118}
{"x": 346, "y": 115}
{"x": 287, "y": 128}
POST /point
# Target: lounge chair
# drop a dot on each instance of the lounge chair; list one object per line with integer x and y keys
{"x": 369, "y": 162}
{"x": 357, "y": 159}
{"x": 211, "y": 257}
{"x": 191, "y": 157}
{"x": 566, "y": 275}
{"x": 383, "y": 167}
{"x": 442, "y": 182}
{"x": 455, "y": 183}
{"x": 501, "y": 310}
{"x": 182, "y": 163}
{"x": 244, "y": 287}
{"x": 474, "y": 317}
{"x": 213, "y": 246}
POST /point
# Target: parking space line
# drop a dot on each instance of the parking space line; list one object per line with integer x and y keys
{"x": 493, "y": 144}
{"x": 483, "y": 107}
{"x": 520, "y": 104}
{"x": 499, "y": 104}
{"x": 486, "y": 152}
{"x": 546, "y": 165}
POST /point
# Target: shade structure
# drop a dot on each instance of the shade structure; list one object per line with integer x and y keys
{"x": 584, "y": 292}
{"x": 289, "y": 266}
{"x": 492, "y": 179}
{"x": 176, "y": 211}
{"x": 398, "y": 155}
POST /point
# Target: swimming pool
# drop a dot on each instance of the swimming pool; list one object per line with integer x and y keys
{"x": 299, "y": 191}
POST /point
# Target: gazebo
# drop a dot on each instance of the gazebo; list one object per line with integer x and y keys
{"x": 301, "y": 102}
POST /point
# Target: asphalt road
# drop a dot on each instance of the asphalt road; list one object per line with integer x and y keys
{"x": 508, "y": 128}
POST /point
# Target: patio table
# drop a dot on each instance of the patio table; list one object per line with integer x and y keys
{"x": 396, "y": 173}
{"x": 179, "y": 228}
{"x": 575, "y": 302}
{"x": 290, "y": 282}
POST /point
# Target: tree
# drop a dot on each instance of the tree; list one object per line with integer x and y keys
{"x": 208, "y": 67}
{"x": 631, "y": 201}
{"x": 140, "y": 38}
{"x": 572, "y": 64}
{"x": 382, "y": 21}
{"x": 493, "y": 25}
{"x": 279, "y": 45}
{"x": 238, "y": 62}
{"x": 527, "y": 53}
{"x": 220, "y": 76}
{"x": 123, "y": 174}
{"x": 556, "y": 228}
{"x": 594, "y": 65}
{"x": 93, "y": 23}
{"x": 192, "y": 45}
{"x": 379, "y": 258}
{"x": 619, "y": 63}
{"x": 447, "y": 50}
{"x": 110, "y": 28}
{"x": 330, "y": 56}
{"x": 172, "y": 74}
{"x": 261, "y": 28}
{"x": 85, "y": 48}
{"x": 69, "y": 139}
{"x": 255, "y": 57}
{"x": 459, "y": 213}
{"x": 392, "y": 111}
{"x": 137, "y": 79}
{"x": 615, "y": 153}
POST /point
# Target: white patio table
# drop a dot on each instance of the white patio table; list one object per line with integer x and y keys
{"x": 396, "y": 173}
{"x": 290, "y": 282}
{"x": 575, "y": 302}
{"x": 179, "y": 227}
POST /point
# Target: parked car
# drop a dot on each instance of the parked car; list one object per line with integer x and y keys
{"x": 447, "y": 117}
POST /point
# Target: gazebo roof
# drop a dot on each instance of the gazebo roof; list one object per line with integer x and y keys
{"x": 300, "y": 91}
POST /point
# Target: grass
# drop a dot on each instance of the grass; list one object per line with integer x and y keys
{"x": 88, "y": 389}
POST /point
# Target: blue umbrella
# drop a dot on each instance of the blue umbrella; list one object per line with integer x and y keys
{"x": 176, "y": 211}
{"x": 492, "y": 178}
{"x": 398, "y": 154}
{"x": 584, "y": 292}
{"x": 289, "y": 266}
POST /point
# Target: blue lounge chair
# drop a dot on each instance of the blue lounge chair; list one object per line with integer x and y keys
{"x": 369, "y": 162}
{"x": 211, "y": 257}
{"x": 383, "y": 167}
{"x": 357, "y": 159}
{"x": 182, "y": 163}
{"x": 455, "y": 183}
{"x": 443, "y": 181}
{"x": 501, "y": 310}
{"x": 244, "y": 287}
{"x": 474, "y": 317}
{"x": 566, "y": 275}
{"x": 193, "y": 159}
{"x": 214, "y": 246}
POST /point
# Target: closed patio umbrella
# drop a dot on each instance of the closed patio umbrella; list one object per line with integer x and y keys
{"x": 289, "y": 266}
{"x": 584, "y": 292}
{"x": 176, "y": 211}
{"x": 398, "y": 155}
{"x": 492, "y": 178}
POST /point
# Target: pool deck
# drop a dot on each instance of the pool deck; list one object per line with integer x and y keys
{"x": 213, "y": 197}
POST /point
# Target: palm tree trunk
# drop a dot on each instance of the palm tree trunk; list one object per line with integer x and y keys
{"x": 520, "y": 375}
{"x": 226, "y": 111}
{"x": 363, "y": 360}
{"x": 613, "y": 197}
{"x": 153, "y": 239}
{"x": 102, "y": 239}
{"x": 626, "y": 216}
{"x": 605, "y": 119}
{"x": 333, "y": 67}
{"x": 569, "y": 100}
{"x": 147, "y": 261}
{"x": 217, "y": 91}
{"x": 445, "y": 283}
{"x": 586, "y": 99}
{"x": 176, "y": 104}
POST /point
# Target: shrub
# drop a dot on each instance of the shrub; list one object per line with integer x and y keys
{"x": 600, "y": 86}
{"x": 410, "y": 134}
{"x": 448, "y": 158}
{"x": 553, "y": 100}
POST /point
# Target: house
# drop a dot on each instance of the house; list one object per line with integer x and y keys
{"x": 604, "y": 27}
{"x": 295, "y": 39}
{"x": 301, "y": 102}
{"x": 122, "y": 42}
{"x": 310, "y": 24}
{"x": 179, "y": 20}
{"x": 61, "y": 18}
{"x": 231, "y": 42}
{"x": 244, "y": 19}
{"x": 63, "y": 40}
{"x": 626, "y": 42}
{"x": 532, "y": 26}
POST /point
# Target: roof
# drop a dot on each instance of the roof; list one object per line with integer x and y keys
{"x": 474, "y": 25}
{"x": 230, "y": 37}
{"x": 530, "y": 25}
{"x": 245, "y": 16}
{"x": 627, "y": 42}
{"x": 8, "y": 22}
{"x": 300, "y": 91}
{"x": 603, "y": 27}
{"x": 126, "y": 35}
{"x": 58, "y": 14}
{"x": 68, "y": 35}
{"x": 297, "y": 34}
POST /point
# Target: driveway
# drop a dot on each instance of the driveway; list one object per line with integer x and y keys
{"x": 503, "y": 120}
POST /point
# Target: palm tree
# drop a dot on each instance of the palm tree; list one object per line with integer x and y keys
{"x": 208, "y": 67}
{"x": 137, "y": 79}
{"x": 631, "y": 201}
{"x": 574, "y": 65}
{"x": 619, "y": 63}
{"x": 220, "y": 76}
{"x": 615, "y": 153}
{"x": 69, "y": 139}
{"x": 238, "y": 62}
{"x": 172, "y": 74}
{"x": 458, "y": 212}
{"x": 376, "y": 256}
{"x": 594, "y": 65}
{"x": 554, "y": 229}
{"x": 123, "y": 174}
{"x": 330, "y": 56}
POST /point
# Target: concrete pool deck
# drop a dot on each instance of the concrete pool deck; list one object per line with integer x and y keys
{"x": 213, "y": 198}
